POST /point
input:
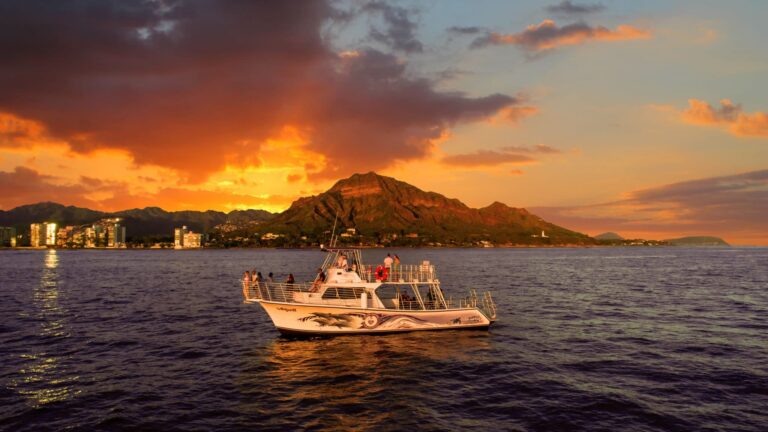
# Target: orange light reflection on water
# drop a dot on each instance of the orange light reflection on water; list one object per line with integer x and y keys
{"x": 44, "y": 380}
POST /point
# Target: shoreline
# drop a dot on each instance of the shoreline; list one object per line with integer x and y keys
{"x": 29, "y": 248}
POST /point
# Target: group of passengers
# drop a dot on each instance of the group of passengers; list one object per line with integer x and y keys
{"x": 409, "y": 302}
{"x": 343, "y": 263}
{"x": 254, "y": 277}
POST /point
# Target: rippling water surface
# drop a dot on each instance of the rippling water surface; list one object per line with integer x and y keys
{"x": 588, "y": 339}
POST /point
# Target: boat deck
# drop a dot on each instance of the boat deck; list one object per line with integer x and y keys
{"x": 312, "y": 294}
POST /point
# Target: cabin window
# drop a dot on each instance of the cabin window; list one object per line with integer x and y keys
{"x": 344, "y": 293}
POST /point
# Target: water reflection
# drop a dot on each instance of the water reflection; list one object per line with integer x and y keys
{"x": 348, "y": 382}
{"x": 44, "y": 380}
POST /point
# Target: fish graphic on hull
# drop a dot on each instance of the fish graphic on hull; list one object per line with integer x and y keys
{"x": 368, "y": 321}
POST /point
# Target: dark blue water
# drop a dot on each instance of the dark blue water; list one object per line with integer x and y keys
{"x": 639, "y": 339}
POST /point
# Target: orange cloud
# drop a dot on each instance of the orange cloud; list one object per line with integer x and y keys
{"x": 547, "y": 35}
{"x": 18, "y": 132}
{"x": 515, "y": 155}
{"x": 486, "y": 158}
{"x": 514, "y": 114}
{"x": 751, "y": 125}
{"x": 25, "y": 186}
{"x": 728, "y": 115}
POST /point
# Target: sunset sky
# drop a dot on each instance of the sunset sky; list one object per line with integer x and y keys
{"x": 647, "y": 118}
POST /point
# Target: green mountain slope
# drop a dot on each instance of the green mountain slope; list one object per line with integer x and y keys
{"x": 380, "y": 207}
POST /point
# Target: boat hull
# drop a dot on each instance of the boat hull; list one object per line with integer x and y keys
{"x": 310, "y": 320}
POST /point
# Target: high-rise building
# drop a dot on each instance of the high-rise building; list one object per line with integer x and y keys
{"x": 193, "y": 240}
{"x": 115, "y": 233}
{"x": 93, "y": 236}
{"x": 43, "y": 234}
{"x": 50, "y": 234}
{"x": 178, "y": 237}
{"x": 37, "y": 235}
{"x": 185, "y": 238}
{"x": 7, "y": 237}
{"x": 65, "y": 236}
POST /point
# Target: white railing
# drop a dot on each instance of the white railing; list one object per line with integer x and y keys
{"x": 273, "y": 291}
{"x": 309, "y": 293}
{"x": 419, "y": 273}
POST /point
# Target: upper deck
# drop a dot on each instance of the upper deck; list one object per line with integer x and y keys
{"x": 341, "y": 264}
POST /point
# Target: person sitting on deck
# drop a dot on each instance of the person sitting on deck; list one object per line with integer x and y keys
{"x": 319, "y": 280}
{"x": 290, "y": 279}
{"x": 430, "y": 299}
{"x": 406, "y": 302}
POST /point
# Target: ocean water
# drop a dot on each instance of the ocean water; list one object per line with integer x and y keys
{"x": 645, "y": 339}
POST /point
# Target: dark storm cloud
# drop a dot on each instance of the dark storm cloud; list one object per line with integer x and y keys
{"x": 567, "y": 7}
{"x": 409, "y": 111}
{"x": 400, "y": 32}
{"x": 194, "y": 85}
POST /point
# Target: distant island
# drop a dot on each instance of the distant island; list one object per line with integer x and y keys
{"x": 613, "y": 239}
{"x": 608, "y": 236}
{"x": 697, "y": 241}
{"x": 368, "y": 210}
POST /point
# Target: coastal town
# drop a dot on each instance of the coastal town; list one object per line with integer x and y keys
{"x": 111, "y": 233}
{"x": 107, "y": 233}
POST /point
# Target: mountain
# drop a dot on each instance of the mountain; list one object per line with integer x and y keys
{"x": 371, "y": 209}
{"x": 382, "y": 208}
{"x": 156, "y": 221}
{"x": 149, "y": 221}
{"x": 609, "y": 236}
{"x": 697, "y": 241}
{"x": 246, "y": 216}
{"x": 48, "y": 211}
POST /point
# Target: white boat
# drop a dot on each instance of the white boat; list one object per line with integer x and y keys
{"x": 355, "y": 299}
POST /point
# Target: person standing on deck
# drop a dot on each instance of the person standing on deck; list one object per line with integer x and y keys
{"x": 388, "y": 262}
{"x": 246, "y": 284}
{"x": 343, "y": 263}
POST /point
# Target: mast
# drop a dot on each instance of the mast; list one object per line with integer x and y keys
{"x": 333, "y": 233}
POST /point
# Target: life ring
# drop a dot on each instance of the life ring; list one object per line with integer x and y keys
{"x": 382, "y": 273}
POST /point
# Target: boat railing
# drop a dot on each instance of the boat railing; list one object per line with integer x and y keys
{"x": 487, "y": 305}
{"x": 301, "y": 293}
{"x": 419, "y": 273}
{"x": 275, "y": 291}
